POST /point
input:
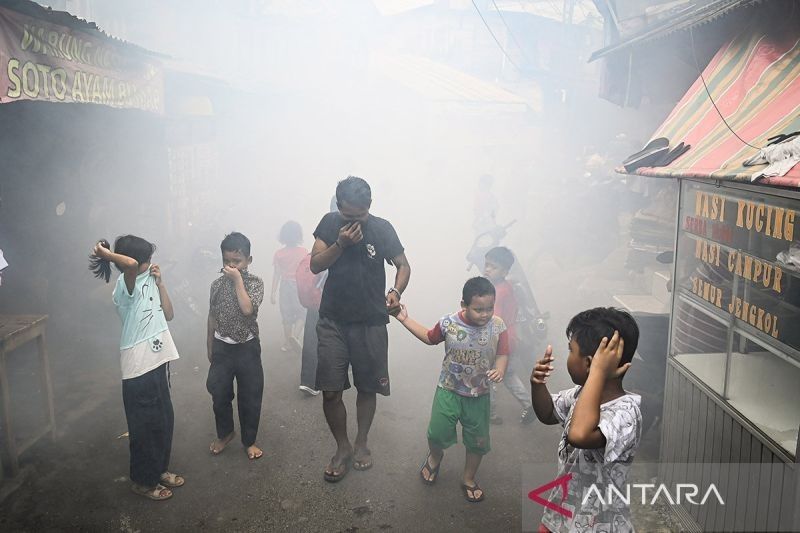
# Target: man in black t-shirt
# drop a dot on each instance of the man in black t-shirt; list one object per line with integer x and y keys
{"x": 353, "y": 245}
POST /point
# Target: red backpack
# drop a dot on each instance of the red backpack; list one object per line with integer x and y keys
{"x": 309, "y": 285}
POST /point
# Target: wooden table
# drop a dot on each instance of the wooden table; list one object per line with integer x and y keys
{"x": 16, "y": 330}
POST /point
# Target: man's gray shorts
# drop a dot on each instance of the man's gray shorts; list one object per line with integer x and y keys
{"x": 364, "y": 348}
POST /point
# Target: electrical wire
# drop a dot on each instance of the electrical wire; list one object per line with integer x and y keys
{"x": 510, "y": 33}
{"x": 500, "y": 46}
{"x": 702, "y": 78}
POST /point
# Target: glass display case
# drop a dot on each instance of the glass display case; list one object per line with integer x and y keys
{"x": 736, "y": 309}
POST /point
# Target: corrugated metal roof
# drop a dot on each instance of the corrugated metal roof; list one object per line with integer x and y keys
{"x": 693, "y": 15}
{"x": 438, "y": 82}
{"x": 583, "y": 11}
{"x": 63, "y": 18}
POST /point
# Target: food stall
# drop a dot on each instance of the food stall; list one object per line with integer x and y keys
{"x": 732, "y": 391}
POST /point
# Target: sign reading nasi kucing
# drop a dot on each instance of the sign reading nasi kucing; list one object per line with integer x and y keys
{"x": 48, "y": 62}
{"x": 738, "y": 253}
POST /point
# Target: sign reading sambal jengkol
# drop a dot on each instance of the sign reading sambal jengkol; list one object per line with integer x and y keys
{"x": 49, "y": 62}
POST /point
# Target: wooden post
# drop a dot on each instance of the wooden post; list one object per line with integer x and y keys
{"x": 47, "y": 382}
{"x": 8, "y": 448}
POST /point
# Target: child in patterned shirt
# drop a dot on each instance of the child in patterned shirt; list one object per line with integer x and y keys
{"x": 476, "y": 352}
{"x": 602, "y": 422}
{"x": 234, "y": 349}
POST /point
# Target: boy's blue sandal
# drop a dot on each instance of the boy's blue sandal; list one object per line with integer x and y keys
{"x": 338, "y": 473}
{"x": 433, "y": 473}
{"x": 467, "y": 489}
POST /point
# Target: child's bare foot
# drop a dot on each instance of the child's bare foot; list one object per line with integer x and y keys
{"x": 217, "y": 445}
{"x": 254, "y": 452}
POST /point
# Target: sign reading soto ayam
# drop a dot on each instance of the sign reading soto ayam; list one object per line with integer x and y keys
{"x": 729, "y": 235}
{"x": 49, "y": 62}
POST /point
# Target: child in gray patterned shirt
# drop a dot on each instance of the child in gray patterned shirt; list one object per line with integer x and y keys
{"x": 602, "y": 422}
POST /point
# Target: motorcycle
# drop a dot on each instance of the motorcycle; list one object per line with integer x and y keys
{"x": 484, "y": 242}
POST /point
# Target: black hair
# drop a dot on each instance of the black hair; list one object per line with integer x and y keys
{"x": 589, "y": 327}
{"x": 502, "y": 256}
{"x": 355, "y": 191}
{"x": 235, "y": 242}
{"x": 291, "y": 234}
{"x": 477, "y": 286}
{"x": 127, "y": 245}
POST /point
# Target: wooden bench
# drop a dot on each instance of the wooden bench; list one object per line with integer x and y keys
{"x": 15, "y": 331}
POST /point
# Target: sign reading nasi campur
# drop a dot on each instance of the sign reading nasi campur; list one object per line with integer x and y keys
{"x": 53, "y": 63}
{"x": 728, "y": 239}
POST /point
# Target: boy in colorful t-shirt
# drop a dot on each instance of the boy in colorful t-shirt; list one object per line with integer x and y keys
{"x": 476, "y": 352}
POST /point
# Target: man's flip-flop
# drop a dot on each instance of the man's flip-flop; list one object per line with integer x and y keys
{"x": 337, "y": 476}
{"x": 157, "y": 493}
{"x": 168, "y": 479}
{"x": 365, "y": 464}
{"x": 433, "y": 473}
{"x": 466, "y": 489}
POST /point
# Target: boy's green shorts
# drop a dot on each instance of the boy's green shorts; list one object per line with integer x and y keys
{"x": 473, "y": 412}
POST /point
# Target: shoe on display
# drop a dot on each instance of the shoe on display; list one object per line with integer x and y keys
{"x": 648, "y": 155}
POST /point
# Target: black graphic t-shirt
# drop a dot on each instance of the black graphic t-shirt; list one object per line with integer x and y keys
{"x": 355, "y": 291}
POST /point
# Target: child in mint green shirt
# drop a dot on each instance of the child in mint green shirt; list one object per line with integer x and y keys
{"x": 146, "y": 348}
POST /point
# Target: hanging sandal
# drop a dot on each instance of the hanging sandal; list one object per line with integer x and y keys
{"x": 157, "y": 493}
{"x": 647, "y": 155}
{"x": 466, "y": 489}
{"x": 168, "y": 479}
{"x": 433, "y": 473}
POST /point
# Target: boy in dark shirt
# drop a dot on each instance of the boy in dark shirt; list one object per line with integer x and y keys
{"x": 234, "y": 349}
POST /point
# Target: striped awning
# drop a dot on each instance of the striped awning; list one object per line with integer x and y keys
{"x": 755, "y": 82}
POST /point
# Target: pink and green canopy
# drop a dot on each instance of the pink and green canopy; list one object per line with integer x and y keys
{"x": 755, "y": 81}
